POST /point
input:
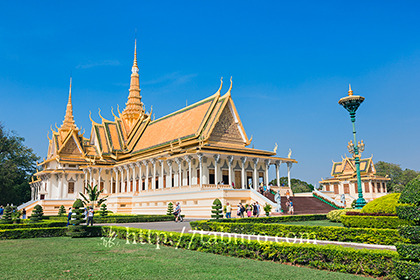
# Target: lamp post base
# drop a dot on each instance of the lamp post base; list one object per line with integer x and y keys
{"x": 360, "y": 202}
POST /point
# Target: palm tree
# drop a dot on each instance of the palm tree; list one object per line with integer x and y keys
{"x": 92, "y": 196}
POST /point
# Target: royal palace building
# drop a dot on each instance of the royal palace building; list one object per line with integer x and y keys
{"x": 192, "y": 156}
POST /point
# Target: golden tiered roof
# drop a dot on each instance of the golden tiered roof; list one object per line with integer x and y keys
{"x": 211, "y": 125}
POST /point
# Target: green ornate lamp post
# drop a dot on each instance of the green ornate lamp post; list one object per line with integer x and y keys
{"x": 351, "y": 103}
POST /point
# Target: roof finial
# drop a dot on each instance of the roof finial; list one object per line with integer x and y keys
{"x": 68, "y": 122}
{"x": 135, "y": 68}
{"x": 221, "y": 84}
{"x": 230, "y": 88}
{"x": 350, "y": 91}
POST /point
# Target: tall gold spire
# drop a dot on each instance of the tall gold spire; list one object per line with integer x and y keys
{"x": 68, "y": 122}
{"x": 134, "y": 106}
{"x": 350, "y": 91}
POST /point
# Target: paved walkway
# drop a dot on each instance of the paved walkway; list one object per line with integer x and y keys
{"x": 185, "y": 227}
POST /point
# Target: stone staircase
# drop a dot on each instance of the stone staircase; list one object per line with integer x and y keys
{"x": 304, "y": 205}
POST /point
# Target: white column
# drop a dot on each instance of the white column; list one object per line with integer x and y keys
{"x": 112, "y": 180}
{"x": 60, "y": 185}
{"x": 99, "y": 178}
{"x": 200, "y": 166}
{"x": 243, "y": 161}
{"x": 179, "y": 162}
{"x": 91, "y": 175}
{"x": 133, "y": 169}
{"x": 140, "y": 179}
{"x": 188, "y": 159}
{"x": 289, "y": 166}
{"x": 267, "y": 167}
{"x": 216, "y": 171}
{"x": 86, "y": 179}
{"x": 162, "y": 173}
{"x": 116, "y": 180}
{"x": 169, "y": 161}
{"x": 255, "y": 160}
{"x": 122, "y": 178}
{"x": 278, "y": 162}
{"x": 146, "y": 180}
{"x": 153, "y": 161}
{"x": 230, "y": 161}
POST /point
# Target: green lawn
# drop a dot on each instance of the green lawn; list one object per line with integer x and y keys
{"x": 66, "y": 258}
{"x": 323, "y": 223}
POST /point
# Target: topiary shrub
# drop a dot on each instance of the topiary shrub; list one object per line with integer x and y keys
{"x": 76, "y": 229}
{"x": 7, "y": 216}
{"x": 335, "y": 215}
{"x": 216, "y": 209}
{"x": 103, "y": 212}
{"x": 61, "y": 211}
{"x": 37, "y": 214}
{"x": 411, "y": 193}
{"x": 409, "y": 266}
{"x": 385, "y": 204}
{"x": 170, "y": 210}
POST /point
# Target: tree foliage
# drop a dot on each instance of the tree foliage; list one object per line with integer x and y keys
{"x": 92, "y": 196}
{"x": 7, "y": 216}
{"x": 399, "y": 177}
{"x": 298, "y": 186}
{"x": 170, "y": 210}
{"x": 37, "y": 214}
{"x": 17, "y": 165}
{"x": 61, "y": 211}
{"x": 104, "y": 211}
{"x": 216, "y": 209}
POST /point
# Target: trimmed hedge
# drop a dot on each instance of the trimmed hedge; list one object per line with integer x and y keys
{"x": 354, "y": 213}
{"x": 19, "y": 233}
{"x": 335, "y": 215}
{"x": 409, "y": 212}
{"x": 276, "y": 219}
{"x": 407, "y": 270}
{"x": 32, "y": 232}
{"x": 359, "y": 235}
{"x": 34, "y": 225}
{"x": 409, "y": 251}
{"x": 411, "y": 233}
{"x": 132, "y": 219}
{"x": 383, "y": 204}
{"x": 329, "y": 257}
{"x": 373, "y": 221}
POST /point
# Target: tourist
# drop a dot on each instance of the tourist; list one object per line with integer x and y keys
{"x": 288, "y": 205}
{"x": 291, "y": 209}
{"x": 265, "y": 188}
{"x": 233, "y": 185}
{"x": 258, "y": 208}
{"x": 23, "y": 213}
{"x": 288, "y": 195}
{"x": 69, "y": 216}
{"x": 1, "y": 211}
{"x": 254, "y": 210}
{"x": 249, "y": 210}
{"x": 90, "y": 216}
{"x": 85, "y": 214}
{"x": 177, "y": 212}
{"x": 241, "y": 210}
{"x": 269, "y": 188}
{"x": 228, "y": 211}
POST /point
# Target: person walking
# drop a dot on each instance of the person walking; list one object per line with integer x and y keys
{"x": 1, "y": 211}
{"x": 254, "y": 210}
{"x": 249, "y": 211}
{"x": 228, "y": 211}
{"x": 241, "y": 210}
{"x": 177, "y": 212}
{"x": 291, "y": 209}
{"x": 23, "y": 213}
{"x": 69, "y": 216}
{"x": 258, "y": 208}
{"x": 90, "y": 215}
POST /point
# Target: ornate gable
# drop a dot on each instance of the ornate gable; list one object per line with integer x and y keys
{"x": 226, "y": 129}
{"x": 70, "y": 147}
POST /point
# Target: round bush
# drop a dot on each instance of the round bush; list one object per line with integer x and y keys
{"x": 411, "y": 193}
{"x": 385, "y": 204}
{"x": 335, "y": 215}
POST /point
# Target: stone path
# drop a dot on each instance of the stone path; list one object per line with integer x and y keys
{"x": 186, "y": 228}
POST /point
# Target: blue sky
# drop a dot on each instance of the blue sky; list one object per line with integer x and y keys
{"x": 291, "y": 62}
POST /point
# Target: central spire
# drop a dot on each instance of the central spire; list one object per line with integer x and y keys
{"x": 68, "y": 122}
{"x": 134, "y": 106}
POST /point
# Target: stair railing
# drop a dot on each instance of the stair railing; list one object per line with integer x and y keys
{"x": 325, "y": 198}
